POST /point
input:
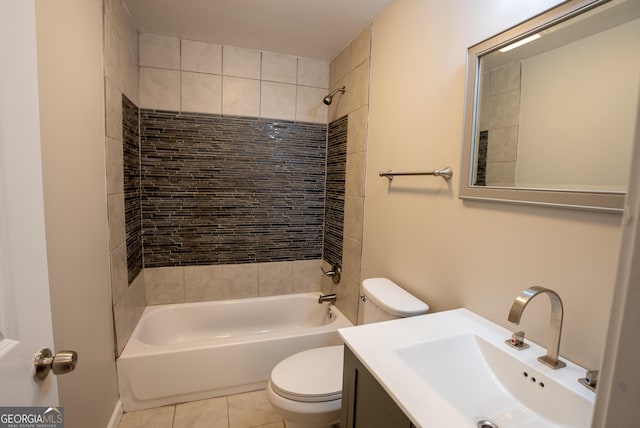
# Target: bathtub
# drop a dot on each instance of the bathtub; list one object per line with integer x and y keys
{"x": 193, "y": 351}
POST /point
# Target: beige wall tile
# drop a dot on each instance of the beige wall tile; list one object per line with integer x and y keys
{"x": 128, "y": 310}
{"x": 240, "y": 281}
{"x": 361, "y": 47}
{"x": 347, "y": 293}
{"x": 159, "y": 89}
{"x": 279, "y": 68}
{"x": 201, "y": 92}
{"x": 115, "y": 166}
{"x": 115, "y": 209}
{"x": 240, "y": 62}
{"x": 202, "y": 283}
{"x": 159, "y": 417}
{"x": 159, "y": 51}
{"x": 202, "y": 414}
{"x": 503, "y": 144}
{"x": 504, "y": 109}
{"x": 327, "y": 285}
{"x": 341, "y": 104}
{"x": 114, "y": 11}
{"x": 119, "y": 276}
{"x": 353, "y": 215}
{"x": 485, "y": 84}
{"x": 332, "y": 73}
{"x": 483, "y": 113}
{"x": 505, "y": 78}
{"x": 240, "y": 96}
{"x": 130, "y": 80}
{"x": 250, "y": 410}
{"x": 342, "y": 63}
{"x": 275, "y": 278}
{"x": 112, "y": 56}
{"x": 354, "y": 185}
{"x": 164, "y": 285}
{"x": 357, "y": 130}
{"x": 113, "y": 110}
{"x": 201, "y": 57}
{"x": 358, "y": 95}
{"x": 307, "y": 276}
{"x": 313, "y": 72}
{"x": 501, "y": 174}
{"x": 351, "y": 258}
{"x": 309, "y": 105}
{"x": 278, "y": 101}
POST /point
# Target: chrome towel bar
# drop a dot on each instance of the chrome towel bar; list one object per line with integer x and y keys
{"x": 446, "y": 173}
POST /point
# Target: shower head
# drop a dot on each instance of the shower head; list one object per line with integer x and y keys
{"x": 327, "y": 100}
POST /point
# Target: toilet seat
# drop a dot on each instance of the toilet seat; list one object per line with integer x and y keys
{"x": 310, "y": 376}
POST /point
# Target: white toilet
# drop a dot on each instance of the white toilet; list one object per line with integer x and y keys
{"x": 306, "y": 388}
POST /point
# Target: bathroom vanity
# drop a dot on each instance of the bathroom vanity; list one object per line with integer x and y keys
{"x": 454, "y": 369}
{"x": 365, "y": 403}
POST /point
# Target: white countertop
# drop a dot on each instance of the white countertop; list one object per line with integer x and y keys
{"x": 373, "y": 344}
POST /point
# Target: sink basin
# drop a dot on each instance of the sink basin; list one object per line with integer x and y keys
{"x": 453, "y": 369}
{"x": 485, "y": 382}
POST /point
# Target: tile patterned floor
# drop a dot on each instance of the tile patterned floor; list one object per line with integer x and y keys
{"x": 248, "y": 410}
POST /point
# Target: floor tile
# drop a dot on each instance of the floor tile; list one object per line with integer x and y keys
{"x": 250, "y": 410}
{"x": 161, "y": 417}
{"x": 202, "y": 414}
{"x": 273, "y": 425}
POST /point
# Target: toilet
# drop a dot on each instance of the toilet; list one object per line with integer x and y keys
{"x": 306, "y": 388}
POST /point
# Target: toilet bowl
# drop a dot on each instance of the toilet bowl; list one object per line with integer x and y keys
{"x": 306, "y": 388}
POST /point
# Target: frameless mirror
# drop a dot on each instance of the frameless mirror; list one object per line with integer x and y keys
{"x": 551, "y": 106}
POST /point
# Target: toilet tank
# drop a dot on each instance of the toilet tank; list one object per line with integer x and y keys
{"x": 386, "y": 300}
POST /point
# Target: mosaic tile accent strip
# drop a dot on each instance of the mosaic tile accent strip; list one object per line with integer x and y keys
{"x": 133, "y": 211}
{"x": 481, "y": 168}
{"x": 225, "y": 190}
{"x": 336, "y": 176}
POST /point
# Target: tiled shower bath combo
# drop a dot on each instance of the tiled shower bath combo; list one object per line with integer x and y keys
{"x": 224, "y": 190}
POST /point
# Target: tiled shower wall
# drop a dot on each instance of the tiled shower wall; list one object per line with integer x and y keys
{"x": 215, "y": 79}
{"x": 334, "y": 202}
{"x": 499, "y": 117}
{"x": 121, "y": 78}
{"x": 230, "y": 190}
{"x": 132, "y": 205}
{"x": 191, "y": 76}
{"x": 351, "y": 69}
{"x": 181, "y": 77}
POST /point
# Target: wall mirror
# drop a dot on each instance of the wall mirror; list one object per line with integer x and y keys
{"x": 550, "y": 108}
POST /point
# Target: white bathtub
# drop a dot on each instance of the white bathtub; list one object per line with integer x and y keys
{"x": 193, "y": 351}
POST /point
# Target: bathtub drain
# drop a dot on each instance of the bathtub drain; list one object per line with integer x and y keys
{"x": 486, "y": 423}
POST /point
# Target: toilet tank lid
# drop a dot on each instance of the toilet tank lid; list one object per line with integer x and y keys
{"x": 392, "y": 298}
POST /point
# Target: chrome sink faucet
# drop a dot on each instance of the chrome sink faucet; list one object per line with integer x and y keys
{"x": 551, "y": 358}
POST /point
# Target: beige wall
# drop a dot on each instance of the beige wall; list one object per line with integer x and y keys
{"x": 69, "y": 39}
{"x": 451, "y": 253}
{"x": 350, "y": 68}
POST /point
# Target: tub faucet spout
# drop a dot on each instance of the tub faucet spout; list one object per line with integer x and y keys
{"x": 331, "y": 298}
{"x": 551, "y": 358}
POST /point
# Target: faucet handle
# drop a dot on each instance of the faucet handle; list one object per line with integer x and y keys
{"x": 517, "y": 341}
{"x": 590, "y": 380}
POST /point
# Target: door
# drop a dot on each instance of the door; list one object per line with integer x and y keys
{"x": 25, "y": 308}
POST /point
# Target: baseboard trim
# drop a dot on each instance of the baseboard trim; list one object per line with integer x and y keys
{"x": 116, "y": 415}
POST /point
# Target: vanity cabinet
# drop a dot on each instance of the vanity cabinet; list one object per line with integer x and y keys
{"x": 365, "y": 403}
